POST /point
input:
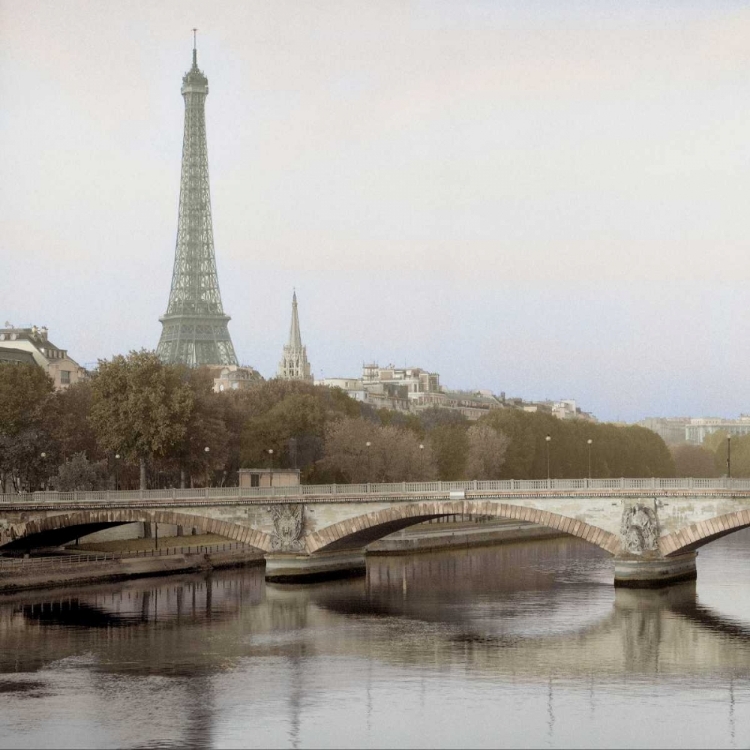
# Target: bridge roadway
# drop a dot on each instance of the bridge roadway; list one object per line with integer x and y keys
{"x": 651, "y": 526}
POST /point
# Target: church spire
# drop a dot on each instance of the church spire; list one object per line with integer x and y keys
{"x": 295, "y": 337}
{"x": 294, "y": 364}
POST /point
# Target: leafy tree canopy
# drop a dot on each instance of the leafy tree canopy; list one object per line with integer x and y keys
{"x": 140, "y": 406}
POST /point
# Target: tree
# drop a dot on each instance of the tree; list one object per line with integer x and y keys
{"x": 436, "y": 416}
{"x": 205, "y": 428}
{"x": 445, "y": 430}
{"x": 487, "y": 448}
{"x": 25, "y": 391}
{"x": 290, "y": 418}
{"x": 693, "y": 461}
{"x": 298, "y": 416}
{"x": 140, "y": 407}
{"x": 67, "y": 419}
{"x": 26, "y": 457}
{"x": 718, "y": 443}
{"x": 616, "y": 451}
{"x": 450, "y": 446}
{"x": 78, "y": 473}
{"x": 524, "y": 457}
{"x": 393, "y": 453}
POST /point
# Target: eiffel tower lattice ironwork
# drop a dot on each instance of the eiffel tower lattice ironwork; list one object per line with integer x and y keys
{"x": 195, "y": 329}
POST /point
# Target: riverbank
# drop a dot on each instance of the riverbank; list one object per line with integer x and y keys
{"x": 64, "y": 570}
{"x": 140, "y": 558}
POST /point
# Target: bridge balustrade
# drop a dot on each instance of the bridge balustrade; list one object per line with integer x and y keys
{"x": 389, "y": 488}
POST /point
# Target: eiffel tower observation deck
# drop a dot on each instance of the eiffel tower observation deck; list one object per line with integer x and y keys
{"x": 195, "y": 329}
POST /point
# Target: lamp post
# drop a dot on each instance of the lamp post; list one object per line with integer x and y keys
{"x": 270, "y": 463}
{"x": 43, "y": 456}
{"x": 207, "y": 450}
{"x": 729, "y": 456}
{"x": 548, "y": 440}
{"x": 421, "y": 461}
{"x": 589, "y": 442}
{"x": 117, "y": 471}
{"x": 367, "y": 450}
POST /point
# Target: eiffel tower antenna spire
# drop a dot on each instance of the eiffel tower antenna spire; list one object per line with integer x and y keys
{"x": 195, "y": 329}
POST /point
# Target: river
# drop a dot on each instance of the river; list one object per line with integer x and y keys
{"x": 523, "y": 645}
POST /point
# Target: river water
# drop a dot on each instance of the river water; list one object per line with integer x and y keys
{"x": 523, "y": 645}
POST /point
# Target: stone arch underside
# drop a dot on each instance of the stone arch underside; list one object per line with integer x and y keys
{"x": 360, "y": 531}
{"x": 65, "y": 527}
{"x": 696, "y": 535}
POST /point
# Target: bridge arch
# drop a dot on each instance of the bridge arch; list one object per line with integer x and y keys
{"x": 65, "y": 527}
{"x": 698, "y": 534}
{"x": 357, "y": 532}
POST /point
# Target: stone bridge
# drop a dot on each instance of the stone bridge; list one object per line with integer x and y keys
{"x": 652, "y": 527}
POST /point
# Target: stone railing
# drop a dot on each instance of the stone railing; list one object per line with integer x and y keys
{"x": 367, "y": 491}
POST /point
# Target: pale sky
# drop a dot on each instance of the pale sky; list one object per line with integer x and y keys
{"x": 547, "y": 199}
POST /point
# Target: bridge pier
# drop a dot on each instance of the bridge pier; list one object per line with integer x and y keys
{"x": 290, "y": 567}
{"x": 638, "y": 572}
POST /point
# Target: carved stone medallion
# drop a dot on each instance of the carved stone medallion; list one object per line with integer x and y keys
{"x": 287, "y": 528}
{"x": 639, "y": 529}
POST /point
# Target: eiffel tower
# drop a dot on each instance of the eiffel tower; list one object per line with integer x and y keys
{"x": 195, "y": 329}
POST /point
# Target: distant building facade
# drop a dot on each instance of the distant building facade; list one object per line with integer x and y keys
{"x": 694, "y": 430}
{"x": 294, "y": 364}
{"x": 411, "y": 390}
{"x": 566, "y": 408}
{"x": 33, "y": 345}
{"x": 414, "y": 379}
{"x": 670, "y": 429}
{"x": 234, "y": 378}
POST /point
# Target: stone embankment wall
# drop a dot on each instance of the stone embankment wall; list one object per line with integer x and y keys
{"x": 432, "y": 537}
{"x": 66, "y": 573}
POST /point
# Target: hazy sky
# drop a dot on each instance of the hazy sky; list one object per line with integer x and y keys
{"x": 543, "y": 198}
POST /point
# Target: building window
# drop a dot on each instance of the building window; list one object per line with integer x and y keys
{"x": 65, "y": 377}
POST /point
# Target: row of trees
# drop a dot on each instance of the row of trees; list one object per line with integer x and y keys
{"x": 711, "y": 458}
{"x": 138, "y": 422}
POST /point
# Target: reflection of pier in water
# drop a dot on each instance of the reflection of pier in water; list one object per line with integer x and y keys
{"x": 409, "y": 610}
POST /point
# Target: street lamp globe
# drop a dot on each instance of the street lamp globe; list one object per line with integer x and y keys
{"x": 207, "y": 449}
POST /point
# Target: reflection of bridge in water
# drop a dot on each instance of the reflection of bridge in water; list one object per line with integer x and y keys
{"x": 665, "y": 632}
{"x": 197, "y": 653}
{"x": 652, "y": 527}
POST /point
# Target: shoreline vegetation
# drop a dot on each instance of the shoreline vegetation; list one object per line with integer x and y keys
{"x": 137, "y": 422}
